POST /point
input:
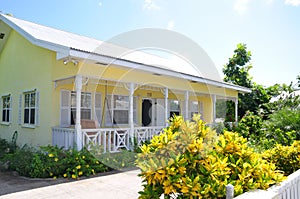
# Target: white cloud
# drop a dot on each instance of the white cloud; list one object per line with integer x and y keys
{"x": 170, "y": 25}
{"x": 292, "y": 2}
{"x": 241, "y": 6}
{"x": 150, "y": 5}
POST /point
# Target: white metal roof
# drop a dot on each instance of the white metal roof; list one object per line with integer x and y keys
{"x": 68, "y": 44}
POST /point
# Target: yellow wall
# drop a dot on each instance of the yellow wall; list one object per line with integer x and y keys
{"x": 26, "y": 67}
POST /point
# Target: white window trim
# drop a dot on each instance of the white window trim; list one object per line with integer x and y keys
{"x": 112, "y": 109}
{"x": 10, "y": 110}
{"x": 173, "y": 110}
{"x": 89, "y": 108}
{"x": 22, "y": 107}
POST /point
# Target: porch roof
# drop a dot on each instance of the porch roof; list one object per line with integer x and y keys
{"x": 72, "y": 46}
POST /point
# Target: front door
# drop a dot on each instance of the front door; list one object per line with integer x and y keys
{"x": 147, "y": 112}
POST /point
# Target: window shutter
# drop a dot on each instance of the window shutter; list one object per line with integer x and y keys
{"x": 97, "y": 108}
{"x": 37, "y": 108}
{"x": 65, "y": 109}
{"x": 135, "y": 99}
{"x": 108, "y": 111}
{"x": 201, "y": 110}
{"x": 160, "y": 112}
{"x": 10, "y": 109}
{"x": 20, "y": 110}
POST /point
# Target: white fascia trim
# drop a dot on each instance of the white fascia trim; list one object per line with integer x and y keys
{"x": 152, "y": 69}
{"x": 33, "y": 40}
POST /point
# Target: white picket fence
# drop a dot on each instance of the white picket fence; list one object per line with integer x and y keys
{"x": 288, "y": 189}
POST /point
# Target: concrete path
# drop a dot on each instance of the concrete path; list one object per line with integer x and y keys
{"x": 124, "y": 185}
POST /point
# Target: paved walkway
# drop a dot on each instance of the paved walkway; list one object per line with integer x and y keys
{"x": 124, "y": 185}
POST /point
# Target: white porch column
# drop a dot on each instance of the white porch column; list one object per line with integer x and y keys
{"x": 78, "y": 86}
{"x": 166, "y": 105}
{"x": 236, "y": 102}
{"x": 214, "y": 100}
{"x": 131, "y": 122}
{"x": 186, "y": 105}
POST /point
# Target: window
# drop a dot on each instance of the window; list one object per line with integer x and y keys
{"x": 193, "y": 108}
{"x": 117, "y": 110}
{"x": 30, "y": 108}
{"x": 196, "y": 108}
{"x": 6, "y": 109}
{"x": 86, "y": 106}
{"x": 174, "y": 107}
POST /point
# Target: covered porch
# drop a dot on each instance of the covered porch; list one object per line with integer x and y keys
{"x": 120, "y": 115}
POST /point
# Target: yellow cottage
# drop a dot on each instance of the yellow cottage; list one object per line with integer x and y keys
{"x": 69, "y": 90}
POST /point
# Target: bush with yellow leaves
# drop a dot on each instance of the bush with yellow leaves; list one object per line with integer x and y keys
{"x": 286, "y": 158}
{"x": 189, "y": 160}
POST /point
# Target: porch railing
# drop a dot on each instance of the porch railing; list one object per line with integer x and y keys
{"x": 63, "y": 137}
{"x": 110, "y": 139}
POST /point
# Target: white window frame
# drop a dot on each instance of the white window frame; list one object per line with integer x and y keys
{"x": 82, "y": 106}
{"x": 171, "y": 109}
{"x": 110, "y": 121}
{"x": 24, "y": 106}
{"x": 9, "y": 109}
{"x": 198, "y": 111}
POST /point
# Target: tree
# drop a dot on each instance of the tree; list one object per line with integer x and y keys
{"x": 236, "y": 71}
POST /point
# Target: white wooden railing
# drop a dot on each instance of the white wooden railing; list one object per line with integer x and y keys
{"x": 111, "y": 139}
{"x": 288, "y": 189}
{"x": 143, "y": 134}
{"x": 63, "y": 137}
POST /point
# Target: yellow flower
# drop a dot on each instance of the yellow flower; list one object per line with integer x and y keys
{"x": 80, "y": 173}
{"x": 54, "y": 177}
{"x": 65, "y": 175}
{"x": 51, "y": 174}
{"x": 73, "y": 176}
{"x": 97, "y": 162}
{"x": 55, "y": 159}
{"x": 87, "y": 166}
{"x": 51, "y": 155}
{"x": 83, "y": 157}
{"x": 78, "y": 167}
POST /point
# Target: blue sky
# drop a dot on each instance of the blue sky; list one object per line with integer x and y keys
{"x": 270, "y": 28}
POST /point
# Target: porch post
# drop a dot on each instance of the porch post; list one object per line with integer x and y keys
{"x": 78, "y": 86}
{"x": 236, "y": 102}
{"x": 186, "y": 105}
{"x": 214, "y": 100}
{"x": 131, "y": 122}
{"x": 166, "y": 105}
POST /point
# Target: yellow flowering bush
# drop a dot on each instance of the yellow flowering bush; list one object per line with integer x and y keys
{"x": 190, "y": 161}
{"x": 286, "y": 158}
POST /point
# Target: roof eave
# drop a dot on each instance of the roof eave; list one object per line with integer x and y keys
{"x": 44, "y": 44}
{"x": 152, "y": 69}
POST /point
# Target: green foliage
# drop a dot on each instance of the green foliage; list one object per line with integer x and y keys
{"x": 285, "y": 122}
{"x": 286, "y": 158}
{"x": 250, "y": 126}
{"x": 54, "y": 162}
{"x": 122, "y": 160}
{"x": 236, "y": 71}
{"x": 188, "y": 159}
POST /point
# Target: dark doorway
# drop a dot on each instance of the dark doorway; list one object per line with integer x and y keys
{"x": 146, "y": 112}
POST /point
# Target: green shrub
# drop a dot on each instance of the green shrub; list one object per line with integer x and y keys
{"x": 187, "y": 159}
{"x": 250, "y": 126}
{"x": 283, "y": 126}
{"x": 286, "y": 158}
{"x": 54, "y": 162}
{"x": 122, "y": 160}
